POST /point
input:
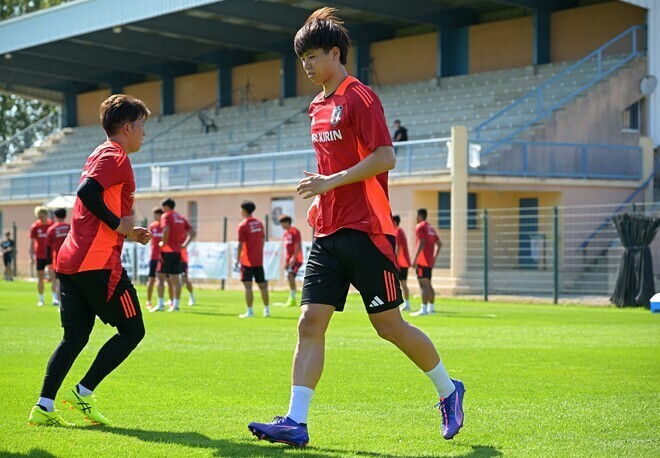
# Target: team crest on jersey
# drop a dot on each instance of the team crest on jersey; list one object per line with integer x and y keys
{"x": 336, "y": 115}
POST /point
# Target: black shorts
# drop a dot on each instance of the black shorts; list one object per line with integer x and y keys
{"x": 403, "y": 273}
{"x": 108, "y": 294}
{"x": 6, "y": 257}
{"x": 424, "y": 272}
{"x": 350, "y": 257}
{"x": 153, "y": 264}
{"x": 248, "y": 273}
{"x": 42, "y": 263}
{"x": 170, "y": 263}
{"x": 293, "y": 269}
{"x": 184, "y": 268}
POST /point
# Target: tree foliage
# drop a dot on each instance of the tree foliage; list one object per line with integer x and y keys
{"x": 17, "y": 113}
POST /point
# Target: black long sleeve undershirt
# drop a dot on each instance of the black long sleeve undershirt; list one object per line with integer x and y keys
{"x": 90, "y": 193}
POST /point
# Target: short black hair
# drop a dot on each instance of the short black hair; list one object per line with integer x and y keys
{"x": 157, "y": 210}
{"x": 7, "y": 233}
{"x": 119, "y": 109}
{"x": 60, "y": 213}
{"x": 248, "y": 206}
{"x": 423, "y": 213}
{"x": 396, "y": 121}
{"x": 285, "y": 219}
{"x": 168, "y": 203}
{"x": 323, "y": 30}
{"x": 396, "y": 219}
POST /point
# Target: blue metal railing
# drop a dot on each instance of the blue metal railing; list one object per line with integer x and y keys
{"x": 544, "y": 106}
{"x": 561, "y": 160}
{"x": 37, "y": 131}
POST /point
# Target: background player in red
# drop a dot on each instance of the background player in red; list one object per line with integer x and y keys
{"x": 8, "y": 246}
{"x": 177, "y": 233}
{"x": 428, "y": 247}
{"x": 55, "y": 238}
{"x": 38, "y": 248}
{"x": 251, "y": 257}
{"x": 156, "y": 237}
{"x": 294, "y": 258}
{"x": 92, "y": 279}
{"x": 403, "y": 258}
{"x": 354, "y": 232}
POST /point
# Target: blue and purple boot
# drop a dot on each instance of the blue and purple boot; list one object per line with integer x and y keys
{"x": 281, "y": 429}
{"x": 451, "y": 410}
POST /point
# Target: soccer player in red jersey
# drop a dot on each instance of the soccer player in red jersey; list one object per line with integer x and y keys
{"x": 184, "y": 276}
{"x": 38, "y": 248}
{"x": 177, "y": 233}
{"x": 156, "y": 237}
{"x": 403, "y": 258}
{"x": 354, "y": 233}
{"x": 55, "y": 238}
{"x": 294, "y": 257}
{"x": 251, "y": 257}
{"x": 427, "y": 250}
{"x": 92, "y": 279}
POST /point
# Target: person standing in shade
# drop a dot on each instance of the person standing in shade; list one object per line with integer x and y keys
{"x": 156, "y": 237}
{"x": 294, "y": 257}
{"x": 39, "y": 249}
{"x": 250, "y": 258}
{"x": 403, "y": 259}
{"x": 426, "y": 252}
{"x": 7, "y": 246}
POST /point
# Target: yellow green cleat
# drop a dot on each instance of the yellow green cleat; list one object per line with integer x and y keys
{"x": 291, "y": 302}
{"x": 39, "y": 417}
{"x": 86, "y": 405}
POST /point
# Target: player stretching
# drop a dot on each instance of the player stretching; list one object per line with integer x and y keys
{"x": 56, "y": 235}
{"x": 294, "y": 258}
{"x": 355, "y": 245}
{"x": 92, "y": 279}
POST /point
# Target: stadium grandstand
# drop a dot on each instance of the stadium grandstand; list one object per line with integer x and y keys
{"x": 540, "y": 115}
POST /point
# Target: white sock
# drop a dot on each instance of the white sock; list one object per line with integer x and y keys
{"x": 54, "y": 296}
{"x": 161, "y": 302}
{"x": 431, "y": 308}
{"x": 407, "y": 303}
{"x": 41, "y": 297}
{"x": 425, "y": 307}
{"x": 175, "y": 303}
{"x": 292, "y": 294}
{"x": 82, "y": 391}
{"x": 192, "y": 298}
{"x": 266, "y": 309}
{"x": 48, "y": 404}
{"x": 249, "y": 310}
{"x": 441, "y": 380}
{"x": 301, "y": 398}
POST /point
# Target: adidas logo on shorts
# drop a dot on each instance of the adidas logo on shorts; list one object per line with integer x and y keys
{"x": 376, "y": 302}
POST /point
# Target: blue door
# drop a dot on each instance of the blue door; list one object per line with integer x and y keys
{"x": 528, "y": 227}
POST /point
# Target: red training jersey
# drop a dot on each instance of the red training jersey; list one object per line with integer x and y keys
{"x": 346, "y": 127}
{"x": 403, "y": 258}
{"x": 424, "y": 231}
{"x": 39, "y": 236}
{"x": 56, "y": 235}
{"x": 293, "y": 240}
{"x": 91, "y": 244}
{"x": 178, "y": 231}
{"x": 184, "y": 255}
{"x": 156, "y": 237}
{"x": 251, "y": 233}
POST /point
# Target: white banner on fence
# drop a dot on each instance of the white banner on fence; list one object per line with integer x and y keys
{"x": 272, "y": 260}
{"x": 143, "y": 259}
{"x": 208, "y": 260}
{"x": 306, "y": 249}
{"x": 128, "y": 258}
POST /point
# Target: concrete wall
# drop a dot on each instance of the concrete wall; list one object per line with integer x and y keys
{"x": 194, "y": 92}
{"x": 501, "y": 45}
{"x": 598, "y": 116}
{"x": 264, "y": 79}
{"x": 404, "y": 60}
{"x": 88, "y": 106}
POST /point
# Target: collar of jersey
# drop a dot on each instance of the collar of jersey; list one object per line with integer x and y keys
{"x": 342, "y": 87}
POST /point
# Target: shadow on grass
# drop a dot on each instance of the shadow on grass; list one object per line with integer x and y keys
{"x": 34, "y": 453}
{"x": 252, "y": 447}
{"x": 271, "y": 317}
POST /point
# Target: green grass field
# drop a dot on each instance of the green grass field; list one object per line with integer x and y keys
{"x": 541, "y": 381}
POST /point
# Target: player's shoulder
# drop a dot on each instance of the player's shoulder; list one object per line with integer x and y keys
{"x": 358, "y": 93}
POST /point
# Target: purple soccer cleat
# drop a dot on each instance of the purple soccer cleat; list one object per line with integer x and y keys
{"x": 281, "y": 429}
{"x": 451, "y": 409}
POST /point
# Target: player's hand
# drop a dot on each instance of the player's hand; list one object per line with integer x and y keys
{"x": 161, "y": 244}
{"x": 125, "y": 226}
{"x": 313, "y": 185}
{"x": 140, "y": 235}
{"x": 313, "y": 212}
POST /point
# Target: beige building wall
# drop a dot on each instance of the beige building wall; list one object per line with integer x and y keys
{"x": 149, "y": 93}
{"x": 576, "y": 32}
{"x": 194, "y": 92}
{"x": 404, "y": 60}
{"x": 500, "y": 45}
{"x": 88, "y": 106}
{"x": 256, "y": 82}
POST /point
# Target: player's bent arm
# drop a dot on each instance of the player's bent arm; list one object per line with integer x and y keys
{"x": 238, "y": 253}
{"x": 422, "y": 243}
{"x": 380, "y": 160}
{"x": 189, "y": 238}
{"x": 90, "y": 193}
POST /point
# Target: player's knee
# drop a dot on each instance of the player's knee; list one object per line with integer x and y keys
{"x": 390, "y": 330}
{"x": 309, "y": 326}
{"x": 133, "y": 330}
{"x": 77, "y": 336}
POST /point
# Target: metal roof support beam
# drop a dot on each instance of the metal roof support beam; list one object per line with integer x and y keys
{"x": 70, "y": 107}
{"x": 541, "y": 32}
{"x": 167, "y": 94}
{"x": 289, "y": 62}
{"x": 224, "y": 83}
{"x": 454, "y": 51}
